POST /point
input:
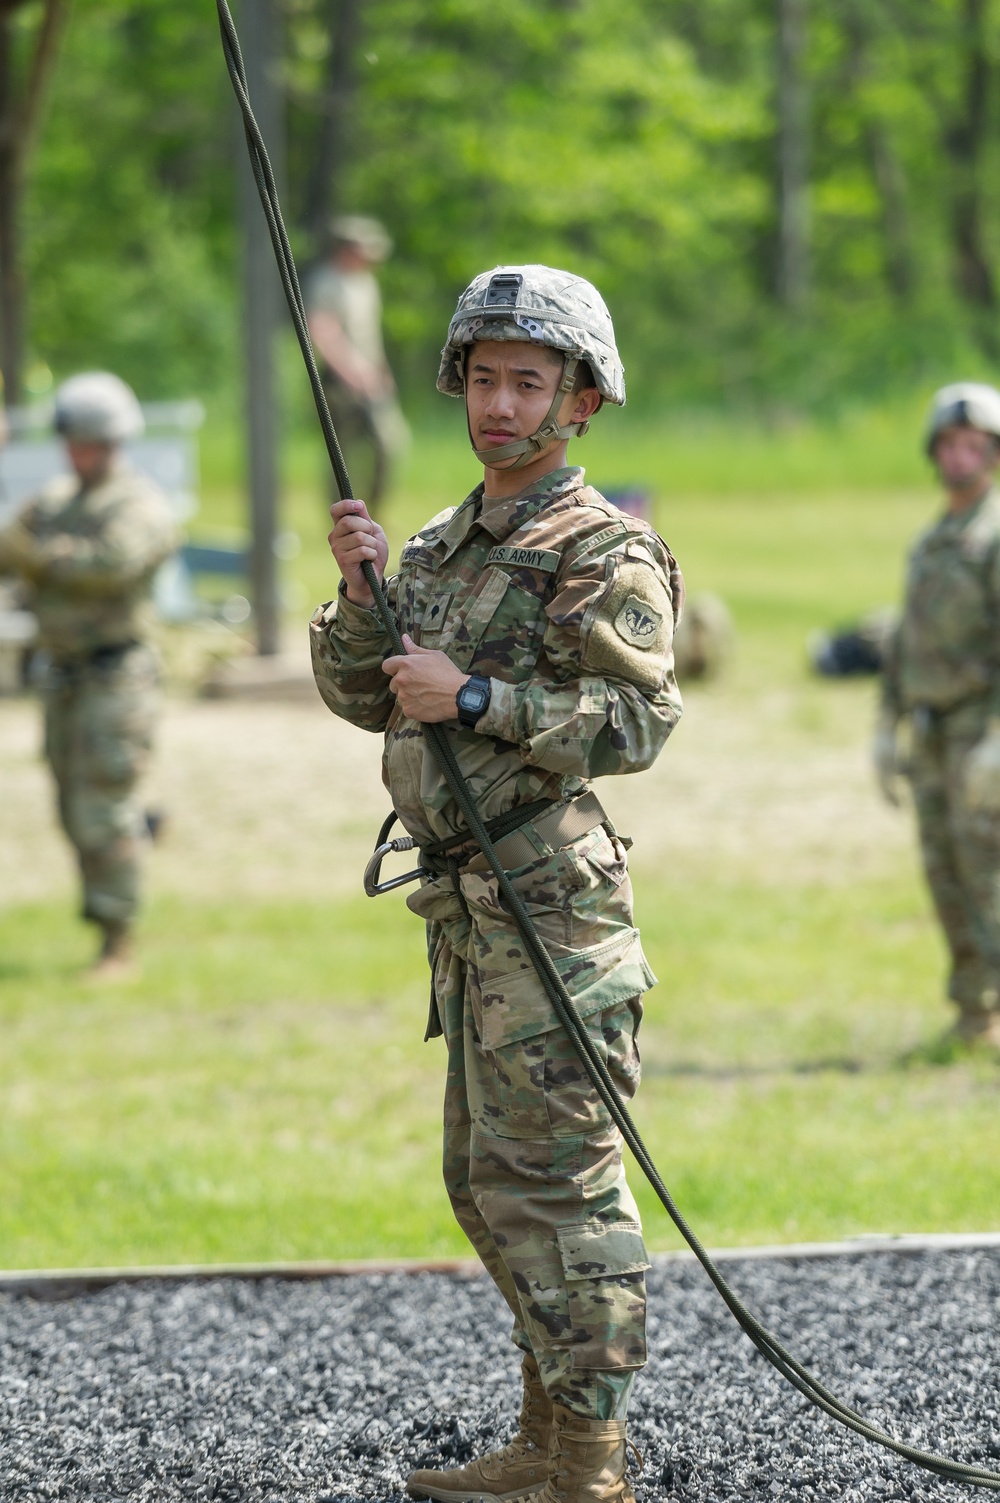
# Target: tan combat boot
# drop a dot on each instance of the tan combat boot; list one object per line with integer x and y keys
{"x": 115, "y": 962}
{"x": 586, "y": 1461}
{"x": 517, "y": 1470}
{"x": 977, "y": 1027}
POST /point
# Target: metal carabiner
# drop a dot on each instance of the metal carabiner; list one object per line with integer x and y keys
{"x": 384, "y": 847}
{"x": 373, "y": 887}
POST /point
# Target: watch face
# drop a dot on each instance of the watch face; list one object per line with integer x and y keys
{"x": 473, "y": 698}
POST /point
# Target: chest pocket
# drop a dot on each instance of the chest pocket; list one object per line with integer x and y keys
{"x": 506, "y": 638}
{"x": 473, "y": 620}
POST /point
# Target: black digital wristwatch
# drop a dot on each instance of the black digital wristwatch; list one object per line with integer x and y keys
{"x": 473, "y": 700}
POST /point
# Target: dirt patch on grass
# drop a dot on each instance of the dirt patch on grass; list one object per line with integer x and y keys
{"x": 283, "y": 800}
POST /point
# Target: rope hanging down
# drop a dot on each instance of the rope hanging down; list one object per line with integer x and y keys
{"x": 438, "y": 741}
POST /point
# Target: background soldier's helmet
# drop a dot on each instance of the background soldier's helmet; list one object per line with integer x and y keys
{"x": 369, "y": 235}
{"x": 542, "y": 306}
{"x": 97, "y": 407}
{"x": 965, "y": 404}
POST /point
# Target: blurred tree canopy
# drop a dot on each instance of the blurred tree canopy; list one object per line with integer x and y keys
{"x": 639, "y": 144}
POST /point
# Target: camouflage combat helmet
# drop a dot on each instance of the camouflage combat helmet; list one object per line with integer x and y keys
{"x": 539, "y": 305}
{"x": 97, "y": 407}
{"x": 964, "y": 404}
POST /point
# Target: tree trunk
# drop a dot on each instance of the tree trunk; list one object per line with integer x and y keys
{"x": 888, "y": 174}
{"x": 792, "y": 271}
{"x": 20, "y": 109}
{"x": 11, "y": 282}
{"x": 326, "y": 180}
{"x": 965, "y": 143}
{"x": 886, "y": 167}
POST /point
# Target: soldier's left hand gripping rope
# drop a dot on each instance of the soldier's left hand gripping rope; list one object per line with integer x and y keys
{"x": 437, "y": 739}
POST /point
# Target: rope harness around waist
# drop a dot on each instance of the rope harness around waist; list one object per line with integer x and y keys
{"x": 554, "y": 823}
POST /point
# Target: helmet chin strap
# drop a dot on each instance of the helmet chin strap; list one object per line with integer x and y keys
{"x": 549, "y": 431}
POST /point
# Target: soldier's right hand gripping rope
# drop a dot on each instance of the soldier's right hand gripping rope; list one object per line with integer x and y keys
{"x": 766, "y": 1343}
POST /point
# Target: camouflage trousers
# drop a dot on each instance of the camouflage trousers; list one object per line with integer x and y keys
{"x": 532, "y": 1162}
{"x": 99, "y": 719}
{"x": 961, "y": 852}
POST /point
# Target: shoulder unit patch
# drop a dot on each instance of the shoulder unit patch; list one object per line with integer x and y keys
{"x": 638, "y": 623}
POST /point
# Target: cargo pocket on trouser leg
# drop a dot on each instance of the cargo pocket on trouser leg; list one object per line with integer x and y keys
{"x": 572, "y": 1104}
{"x": 604, "y": 1266}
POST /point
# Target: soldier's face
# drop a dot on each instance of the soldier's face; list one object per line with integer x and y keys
{"x": 509, "y": 388}
{"x": 965, "y": 458}
{"x": 90, "y": 461}
{"x": 351, "y": 257}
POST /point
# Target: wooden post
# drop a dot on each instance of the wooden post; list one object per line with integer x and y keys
{"x": 262, "y": 300}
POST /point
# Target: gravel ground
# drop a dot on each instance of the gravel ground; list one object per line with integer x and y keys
{"x": 279, "y": 1390}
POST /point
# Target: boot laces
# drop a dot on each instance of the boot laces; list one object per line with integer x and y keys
{"x": 513, "y": 1450}
{"x": 533, "y": 1404}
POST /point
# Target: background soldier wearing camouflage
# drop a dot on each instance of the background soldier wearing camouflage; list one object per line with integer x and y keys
{"x": 538, "y": 623}
{"x": 344, "y": 309}
{"x": 87, "y": 548}
{"x": 943, "y": 675}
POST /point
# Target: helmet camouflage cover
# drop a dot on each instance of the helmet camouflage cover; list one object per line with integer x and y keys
{"x": 97, "y": 407}
{"x": 540, "y": 305}
{"x": 964, "y": 404}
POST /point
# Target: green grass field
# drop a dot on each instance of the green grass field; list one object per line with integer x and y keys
{"x": 263, "y": 1093}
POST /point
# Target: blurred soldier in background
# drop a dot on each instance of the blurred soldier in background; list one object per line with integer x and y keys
{"x": 87, "y": 548}
{"x": 705, "y": 638}
{"x": 943, "y": 675}
{"x": 344, "y": 309}
{"x": 539, "y": 624}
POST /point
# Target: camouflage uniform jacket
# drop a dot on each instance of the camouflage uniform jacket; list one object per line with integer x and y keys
{"x": 946, "y": 650}
{"x": 569, "y": 607}
{"x": 88, "y": 555}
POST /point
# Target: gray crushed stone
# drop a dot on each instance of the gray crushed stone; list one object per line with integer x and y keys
{"x": 266, "y": 1392}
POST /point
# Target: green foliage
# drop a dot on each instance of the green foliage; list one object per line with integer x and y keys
{"x": 634, "y": 143}
{"x": 130, "y": 216}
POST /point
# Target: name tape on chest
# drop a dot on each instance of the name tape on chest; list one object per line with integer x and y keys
{"x": 524, "y": 558}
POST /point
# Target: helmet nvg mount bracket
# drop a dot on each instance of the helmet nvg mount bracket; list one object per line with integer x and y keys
{"x": 536, "y": 305}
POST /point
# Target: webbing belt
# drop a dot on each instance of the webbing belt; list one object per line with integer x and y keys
{"x": 440, "y": 856}
{"x": 557, "y": 826}
{"x": 502, "y": 829}
{"x": 440, "y": 747}
{"x": 553, "y": 825}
